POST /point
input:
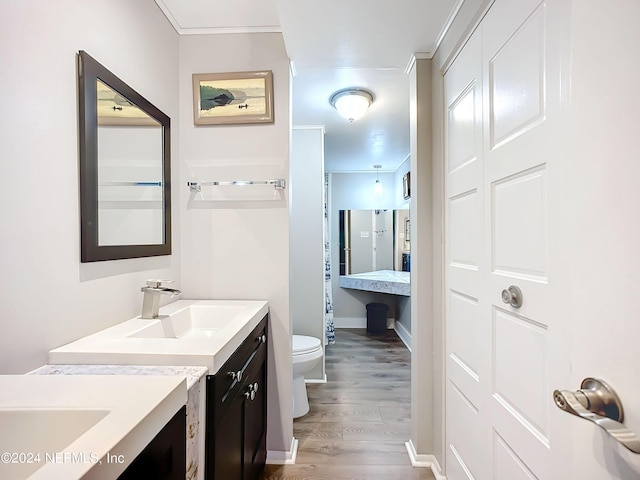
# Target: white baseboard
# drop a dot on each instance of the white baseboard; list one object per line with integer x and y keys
{"x": 276, "y": 457}
{"x": 316, "y": 380}
{"x": 403, "y": 333}
{"x": 425, "y": 461}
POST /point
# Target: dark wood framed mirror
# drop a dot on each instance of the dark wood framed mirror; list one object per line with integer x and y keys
{"x": 125, "y": 169}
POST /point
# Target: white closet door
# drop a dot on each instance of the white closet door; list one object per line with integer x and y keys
{"x": 467, "y": 327}
{"x": 523, "y": 117}
{"x": 503, "y": 99}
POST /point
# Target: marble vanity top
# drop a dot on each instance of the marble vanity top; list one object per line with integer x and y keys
{"x": 384, "y": 281}
{"x": 191, "y": 374}
{"x": 146, "y": 342}
{"x": 81, "y": 426}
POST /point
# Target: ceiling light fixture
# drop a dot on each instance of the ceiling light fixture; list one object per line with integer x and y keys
{"x": 351, "y": 103}
{"x": 377, "y": 187}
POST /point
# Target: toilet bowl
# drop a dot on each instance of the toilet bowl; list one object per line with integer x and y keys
{"x": 307, "y": 352}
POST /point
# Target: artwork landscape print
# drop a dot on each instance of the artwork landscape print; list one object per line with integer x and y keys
{"x": 233, "y": 98}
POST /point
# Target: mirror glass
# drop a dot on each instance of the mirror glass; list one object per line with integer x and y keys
{"x": 124, "y": 169}
{"x": 372, "y": 240}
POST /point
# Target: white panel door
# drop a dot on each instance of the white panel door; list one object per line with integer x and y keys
{"x": 602, "y": 224}
{"x": 547, "y": 200}
{"x": 468, "y": 332}
{"x": 503, "y": 362}
{"x": 521, "y": 58}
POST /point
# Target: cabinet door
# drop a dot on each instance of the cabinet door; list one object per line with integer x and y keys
{"x": 255, "y": 419}
{"x": 236, "y": 424}
{"x": 225, "y": 458}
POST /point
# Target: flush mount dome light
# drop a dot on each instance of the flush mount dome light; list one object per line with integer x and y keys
{"x": 352, "y": 103}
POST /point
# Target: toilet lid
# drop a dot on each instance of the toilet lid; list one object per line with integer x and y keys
{"x": 304, "y": 344}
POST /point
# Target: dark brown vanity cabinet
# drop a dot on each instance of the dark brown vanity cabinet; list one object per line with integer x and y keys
{"x": 236, "y": 423}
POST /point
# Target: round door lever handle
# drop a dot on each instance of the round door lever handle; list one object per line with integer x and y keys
{"x": 597, "y": 402}
{"x": 512, "y": 296}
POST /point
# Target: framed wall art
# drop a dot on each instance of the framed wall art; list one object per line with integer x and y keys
{"x": 233, "y": 98}
{"x": 406, "y": 186}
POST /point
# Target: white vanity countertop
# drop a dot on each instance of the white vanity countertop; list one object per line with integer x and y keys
{"x": 116, "y": 346}
{"x": 195, "y": 400}
{"x": 75, "y": 423}
{"x": 384, "y": 281}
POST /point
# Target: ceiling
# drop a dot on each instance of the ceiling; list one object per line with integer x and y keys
{"x": 336, "y": 44}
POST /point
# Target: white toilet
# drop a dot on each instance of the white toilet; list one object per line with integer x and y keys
{"x": 307, "y": 352}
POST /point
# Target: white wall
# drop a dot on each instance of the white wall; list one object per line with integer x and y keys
{"x": 307, "y": 235}
{"x": 236, "y": 239}
{"x": 49, "y": 298}
{"x": 421, "y": 259}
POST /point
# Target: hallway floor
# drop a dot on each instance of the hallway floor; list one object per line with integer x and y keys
{"x": 360, "y": 419}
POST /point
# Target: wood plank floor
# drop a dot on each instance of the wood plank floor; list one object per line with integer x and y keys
{"x": 360, "y": 419}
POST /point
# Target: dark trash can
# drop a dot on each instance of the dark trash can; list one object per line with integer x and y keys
{"x": 377, "y": 317}
{"x": 406, "y": 262}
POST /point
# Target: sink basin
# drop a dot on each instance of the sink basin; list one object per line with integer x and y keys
{"x": 41, "y": 432}
{"x": 70, "y": 426}
{"x": 195, "y": 321}
{"x": 187, "y": 333}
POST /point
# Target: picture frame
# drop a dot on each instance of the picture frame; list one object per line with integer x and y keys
{"x": 406, "y": 186}
{"x": 233, "y": 98}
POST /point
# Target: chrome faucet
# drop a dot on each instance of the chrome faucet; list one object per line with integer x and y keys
{"x": 151, "y": 300}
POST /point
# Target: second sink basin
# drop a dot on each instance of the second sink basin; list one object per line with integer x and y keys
{"x": 72, "y": 426}
{"x": 41, "y": 430}
{"x": 197, "y": 321}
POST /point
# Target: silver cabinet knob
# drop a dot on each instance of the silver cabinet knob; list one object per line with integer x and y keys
{"x": 237, "y": 376}
{"x": 252, "y": 388}
{"x": 597, "y": 402}
{"x": 512, "y": 296}
{"x": 261, "y": 338}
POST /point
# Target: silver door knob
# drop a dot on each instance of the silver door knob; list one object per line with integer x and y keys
{"x": 512, "y": 296}
{"x": 597, "y": 402}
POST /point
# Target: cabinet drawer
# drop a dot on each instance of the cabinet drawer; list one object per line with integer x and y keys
{"x": 222, "y": 387}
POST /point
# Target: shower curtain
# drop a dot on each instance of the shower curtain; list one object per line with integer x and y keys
{"x": 328, "y": 296}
